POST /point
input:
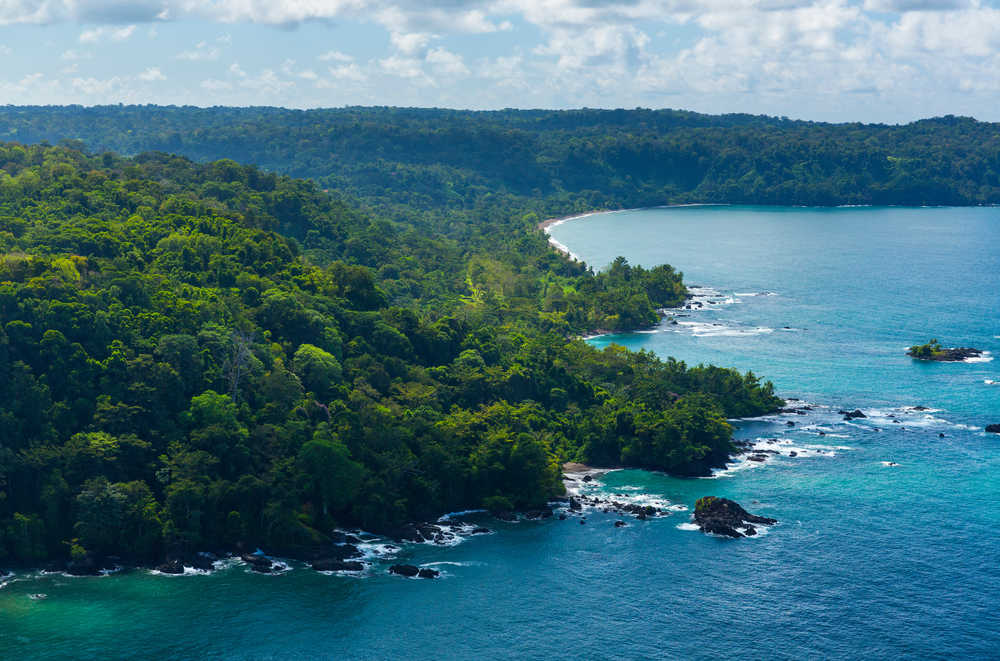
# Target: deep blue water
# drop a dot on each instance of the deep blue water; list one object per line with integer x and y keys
{"x": 867, "y": 560}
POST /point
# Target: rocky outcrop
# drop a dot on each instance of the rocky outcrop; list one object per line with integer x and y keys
{"x": 404, "y": 570}
{"x": 993, "y": 429}
{"x": 333, "y": 564}
{"x": 545, "y": 513}
{"x": 338, "y": 537}
{"x": 428, "y": 573}
{"x": 721, "y": 516}
{"x": 853, "y": 415}
{"x": 342, "y": 552}
{"x": 436, "y": 533}
{"x": 203, "y": 560}
{"x": 258, "y": 563}
{"x": 171, "y": 567}
{"x": 946, "y": 354}
{"x": 608, "y": 506}
{"x": 88, "y": 565}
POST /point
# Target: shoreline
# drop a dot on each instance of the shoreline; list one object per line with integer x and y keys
{"x": 546, "y": 225}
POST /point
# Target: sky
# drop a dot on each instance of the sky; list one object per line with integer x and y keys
{"x": 831, "y": 60}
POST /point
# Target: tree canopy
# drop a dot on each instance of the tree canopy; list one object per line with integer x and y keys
{"x": 202, "y": 355}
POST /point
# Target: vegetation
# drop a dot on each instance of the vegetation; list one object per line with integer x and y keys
{"x": 198, "y": 356}
{"x": 704, "y": 503}
{"x": 927, "y": 351}
{"x": 482, "y": 165}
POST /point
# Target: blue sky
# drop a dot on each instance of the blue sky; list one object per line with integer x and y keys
{"x": 839, "y": 60}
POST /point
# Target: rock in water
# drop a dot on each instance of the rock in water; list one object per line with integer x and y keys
{"x": 333, "y": 564}
{"x": 424, "y": 572}
{"x": 404, "y": 570}
{"x": 171, "y": 567}
{"x": 722, "y": 516}
{"x": 993, "y": 429}
{"x": 85, "y": 566}
{"x": 856, "y": 413}
{"x": 258, "y": 563}
{"x": 934, "y": 351}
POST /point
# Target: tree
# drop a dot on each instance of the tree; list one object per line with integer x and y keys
{"x": 319, "y": 371}
{"x": 118, "y": 518}
{"x": 332, "y": 477}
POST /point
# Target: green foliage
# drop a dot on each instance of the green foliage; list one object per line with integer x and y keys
{"x": 514, "y": 167}
{"x": 926, "y": 351}
{"x": 318, "y": 370}
{"x": 195, "y": 356}
{"x": 704, "y": 503}
{"x": 333, "y": 478}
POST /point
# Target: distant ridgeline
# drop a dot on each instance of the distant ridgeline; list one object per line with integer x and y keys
{"x": 202, "y": 356}
{"x": 484, "y": 165}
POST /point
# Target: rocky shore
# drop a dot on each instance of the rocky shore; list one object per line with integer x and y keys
{"x": 357, "y": 552}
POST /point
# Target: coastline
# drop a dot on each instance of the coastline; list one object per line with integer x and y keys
{"x": 547, "y": 224}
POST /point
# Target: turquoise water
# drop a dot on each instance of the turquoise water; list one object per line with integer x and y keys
{"x": 867, "y": 560}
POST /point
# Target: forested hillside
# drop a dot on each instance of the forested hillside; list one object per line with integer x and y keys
{"x": 411, "y": 162}
{"x": 201, "y": 356}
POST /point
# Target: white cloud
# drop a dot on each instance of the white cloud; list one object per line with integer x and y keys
{"x": 347, "y": 72}
{"x": 403, "y": 67}
{"x": 446, "y": 62}
{"x": 504, "y": 70}
{"x": 152, "y": 74}
{"x": 266, "y": 82}
{"x": 102, "y": 34}
{"x": 410, "y": 43}
{"x": 213, "y": 85}
{"x": 72, "y": 55}
{"x": 973, "y": 33}
{"x": 898, "y": 6}
{"x": 288, "y": 68}
{"x": 335, "y": 56}
{"x": 97, "y": 86}
{"x": 201, "y": 52}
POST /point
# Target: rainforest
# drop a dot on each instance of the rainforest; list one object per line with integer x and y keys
{"x": 215, "y": 356}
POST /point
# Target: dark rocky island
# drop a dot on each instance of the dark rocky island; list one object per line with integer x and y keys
{"x": 993, "y": 429}
{"x": 935, "y": 352}
{"x": 721, "y": 516}
{"x": 410, "y": 571}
